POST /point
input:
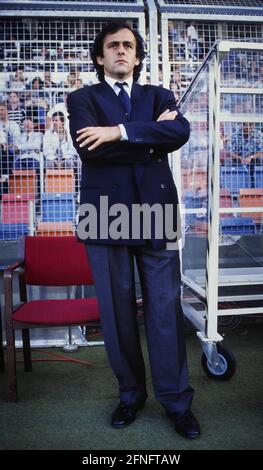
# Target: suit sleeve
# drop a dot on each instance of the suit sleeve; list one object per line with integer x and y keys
{"x": 162, "y": 136}
{"x": 82, "y": 115}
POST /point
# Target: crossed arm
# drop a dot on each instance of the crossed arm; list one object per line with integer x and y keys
{"x": 100, "y": 135}
{"x": 96, "y": 144}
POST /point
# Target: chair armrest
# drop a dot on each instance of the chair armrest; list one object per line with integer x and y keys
{"x": 8, "y": 290}
{"x": 14, "y": 266}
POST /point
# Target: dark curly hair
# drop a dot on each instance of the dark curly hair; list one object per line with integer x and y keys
{"x": 97, "y": 48}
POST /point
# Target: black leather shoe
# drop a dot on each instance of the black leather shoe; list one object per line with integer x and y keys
{"x": 125, "y": 414}
{"x": 186, "y": 424}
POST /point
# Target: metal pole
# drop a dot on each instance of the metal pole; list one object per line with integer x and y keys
{"x": 153, "y": 42}
{"x": 212, "y": 258}
{"x": 165, "y": 51}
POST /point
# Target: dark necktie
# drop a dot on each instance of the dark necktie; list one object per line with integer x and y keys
{"x": 125, "y": 99}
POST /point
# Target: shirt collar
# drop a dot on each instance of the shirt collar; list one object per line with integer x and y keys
{"x": 111, "y": 81}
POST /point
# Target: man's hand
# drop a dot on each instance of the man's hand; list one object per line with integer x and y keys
{"x": 247, "y": 160}
{"x": 167, "y": 115}
{"x": 98, "y": 135}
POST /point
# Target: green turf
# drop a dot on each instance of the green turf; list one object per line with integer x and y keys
{"x": 68, "y": 406}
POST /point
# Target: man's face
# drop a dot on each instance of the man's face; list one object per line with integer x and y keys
{"x": 248, "y": 127}
{"x": 13, "y": 99}
{"x": 78, "y": 83}
{"x": 57, "y": 123}
{"x": 119, "y": 54}
{"x": 19, "y": 74}
{"x": 3, "y": 112}
{"x": 28, "y": 125}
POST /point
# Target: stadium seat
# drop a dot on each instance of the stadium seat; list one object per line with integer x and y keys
{"x": 15, "y": 208}
{"x": 196, "y": 200}
{"x": 58, "y": 207}
{"x": 201, "y": 227}
{"x": 252, "y": 198}
{"x": 225, "y": 201}
{"x": 13, "y": 231}
{"x": 233, "y": 178}
{"x": 237, "y": 226}
{"x": 23, "y": 182}
{"x": 60, "y": 181}
{"x": 57, "y": 229}
{"x": 258, "y": 176}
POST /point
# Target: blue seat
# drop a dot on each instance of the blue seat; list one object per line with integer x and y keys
{"x": 12, "y": 231}
{"x": 58, "y": 207}
{"x": 234, "y": 178}
{"x": 194, "y": 201}
{"x": 26, "y": 164}
{"x": 258, "y": 176}
{"x": 237, "y": 225}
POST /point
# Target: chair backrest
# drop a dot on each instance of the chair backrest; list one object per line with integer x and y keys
{"x": 56, "y": 261}
{"x": 251, "y": 197}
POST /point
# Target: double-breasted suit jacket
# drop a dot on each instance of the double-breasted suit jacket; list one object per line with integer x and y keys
{"x": 134, "y": 171}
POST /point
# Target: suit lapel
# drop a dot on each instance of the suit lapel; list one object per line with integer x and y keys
{"x": 136, "y": 99}
{"x": 108, "y": 95}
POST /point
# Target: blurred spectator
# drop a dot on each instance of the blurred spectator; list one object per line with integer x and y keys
{"x": 18, "y": 81}
{"x": 173, "y": 39}
{"x": 57, "y": 145}
{"x": 182, "y": 45}
{"x": 175, "y": 84}
{"x": 10, "y": 135}
{"x": 192, "y": 41}
{"x": 60, "y": 53}
{"x": 78, "y": 83}
{"x": 48, "y": 81}
{"x": 15, "y": 111}
{"x": 61, "y": 106}
{"x": 36, "y": 88}
{"x": 71, "y": 79}
{"x": 36, "y": 104}
{"x": 44, "y": 53}
{"x": 224, "y": 146}
{"x": 48, "y": 123}
{"x": 172, "y": 32}
{"x": 258, "y": 82}
{"x": 246, "y": 147}
{"x": 29, "y": 147}
{"x": 246, "y": 144}
{"x": 176, "y": 80}
{"x": 49, "y": 86}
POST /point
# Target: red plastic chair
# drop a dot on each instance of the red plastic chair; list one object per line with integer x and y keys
{"x": 48, "y": 261}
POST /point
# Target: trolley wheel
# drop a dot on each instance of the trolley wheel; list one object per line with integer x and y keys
{"x": 227, "y": 367}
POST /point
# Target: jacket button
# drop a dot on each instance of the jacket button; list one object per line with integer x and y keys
{"x": 159, "y": 160}
{"x": 163, "y": 186}
{"x": 115, "y": 185}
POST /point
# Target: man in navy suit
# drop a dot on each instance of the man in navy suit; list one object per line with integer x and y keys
{"x": 123, "y": 132}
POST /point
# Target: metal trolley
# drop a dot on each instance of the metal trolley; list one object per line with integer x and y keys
{"x": 220, "y": 178}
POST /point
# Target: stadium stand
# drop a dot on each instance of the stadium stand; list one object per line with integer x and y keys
{"x": 45, "y": 58}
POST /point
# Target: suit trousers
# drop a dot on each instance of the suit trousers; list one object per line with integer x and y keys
{"x": 159, "y": 272}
